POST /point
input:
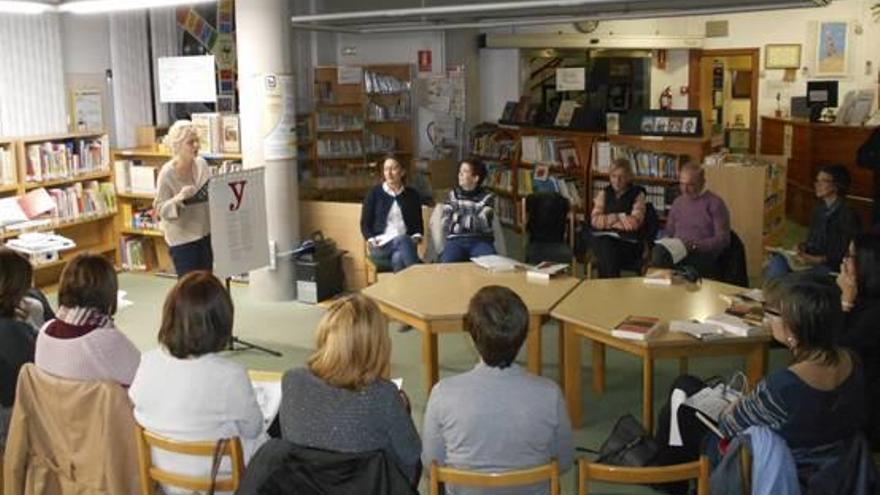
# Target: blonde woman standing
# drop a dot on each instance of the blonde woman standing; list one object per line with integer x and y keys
{"x": 184, "y": 221}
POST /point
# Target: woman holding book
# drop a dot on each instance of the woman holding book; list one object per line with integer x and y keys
{"x": 618, "y": 214}
{"x": 391, "y": 218}
{"x": 818, "y": 400}
{"x": 341, "y": 400}
{"x": 859, "y": 283}
{"x": 181, "y": 203}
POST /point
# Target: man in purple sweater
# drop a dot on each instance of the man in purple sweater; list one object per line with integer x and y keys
{"x": 700, "y": 220}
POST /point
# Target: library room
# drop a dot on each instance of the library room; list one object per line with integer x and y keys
{"x": 421, "y": 247}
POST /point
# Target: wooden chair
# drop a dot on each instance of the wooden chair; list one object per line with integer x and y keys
{"x": 151, "y": 474}
{"x": 589, "y": 471}
{"x": 443, "y": 475}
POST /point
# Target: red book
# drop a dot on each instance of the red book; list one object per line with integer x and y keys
{"x": 636, "y": 327}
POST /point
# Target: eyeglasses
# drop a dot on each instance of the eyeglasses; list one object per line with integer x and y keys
{"x": 772, "y": 312}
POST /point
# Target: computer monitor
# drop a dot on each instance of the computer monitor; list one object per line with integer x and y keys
{"x": 821, "y": 94}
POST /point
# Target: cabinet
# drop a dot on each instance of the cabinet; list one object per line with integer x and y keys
{"x": 74, "y": 169}
{"x": 355, "y": 122}
{"x": 141, "y": 245}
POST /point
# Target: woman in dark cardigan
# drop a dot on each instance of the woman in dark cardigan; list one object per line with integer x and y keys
{"x": 391, "y": 218}
{"x": 859, "y": 282}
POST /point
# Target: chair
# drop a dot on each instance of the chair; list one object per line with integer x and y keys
{"x": 150, "y": 474}
{"x": 732, "y": 263}
{"x": 590, "y": 471}
{"x": 374, "y": 265}
{"x": 517, "y": 477}
{"x": 548, "y": 226}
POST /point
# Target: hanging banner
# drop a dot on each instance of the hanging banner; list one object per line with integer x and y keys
{"x": 279, "y": 117}
{"x": 425, "y": 61}
{"x": 239, "y": 235}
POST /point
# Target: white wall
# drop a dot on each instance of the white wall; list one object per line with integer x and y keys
{"x": 397, "y": 48}
{"x": 85, "y": 42}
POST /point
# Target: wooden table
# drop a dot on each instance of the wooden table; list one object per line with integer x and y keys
{"x": 593, "y": 308}
{"x": 434, "y": 298}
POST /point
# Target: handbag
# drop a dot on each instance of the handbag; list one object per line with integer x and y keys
{"x": 628, "y": 444}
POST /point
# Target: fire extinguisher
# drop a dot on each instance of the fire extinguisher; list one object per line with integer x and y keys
{"x": 666, "y": 98}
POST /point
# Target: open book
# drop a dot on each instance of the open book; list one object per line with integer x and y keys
{"x": 199, "y": 197}
{"x": 795, "y": 262}
{"x": 675, "y": 246}
{"x": 711, "y": 402}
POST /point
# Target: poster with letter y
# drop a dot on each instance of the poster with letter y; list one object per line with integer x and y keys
{"x": 239, "y": 238}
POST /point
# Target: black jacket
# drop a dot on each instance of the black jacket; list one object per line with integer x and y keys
{"x": 377, "y": 204}
{"x": 862, "y": 336}
{"x": 830, "y": 232}
{"x": 17, "y": 341}
{"x": 282, "y": 468}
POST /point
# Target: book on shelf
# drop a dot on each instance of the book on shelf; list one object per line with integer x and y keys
{"x": 7, "y": 167}
{"x": 36, "y": 202}
{"x": 637, "y": 328}
{"x": 11, "y": 212}
{"x": 509, "y": 113}
{"x": 66, "y": 158}
{"x": 143, "y": 179}
{"x": 565, "y": 113}
{"x": 231, "y": 134}
{"x": 122, "y": 175}
{"x": 136, "y": 253}
{"x": 209, "y": 127}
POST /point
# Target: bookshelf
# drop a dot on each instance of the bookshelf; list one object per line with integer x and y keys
{"x": 141, "y": 246}
{"x": 354, "y": 123}
{"x": 74, "y": 171}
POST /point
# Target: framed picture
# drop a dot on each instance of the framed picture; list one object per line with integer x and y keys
{"x": 661, "y": 125}
{"x": 782, "y": 56}
{"x": 568, "y": 158}
{"x": 689, "y": 125}
{"x": 647, "y": 126}
{"x": 675, "y": 125}
{"x": 542, "y": 172}
{"x": 831, "y": 48}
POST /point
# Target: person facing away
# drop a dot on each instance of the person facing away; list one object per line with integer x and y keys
{"x": 185, "y": 390}
{"x": 859, "y": 283}
{"x": 620, "y": 208}
{"x": 832, "y": 225}
{"x": 700, "y": 220}
{"x": 16, "y": 336}
{"x": 498, "y": 416}
{"x": 391, "y": 217}
{"x": 342, "y": 400}
{"x": 468, "y": 214}
{"x": 82, "y": 342}
{"x": 186, "y": 227}
{"x": 818, "y": 400}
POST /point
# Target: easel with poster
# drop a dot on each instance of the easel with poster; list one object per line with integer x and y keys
{"x": 239, "y": 235}
{"x": 442, "y": 108}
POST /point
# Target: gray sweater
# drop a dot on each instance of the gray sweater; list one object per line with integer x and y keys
{"x": 179, "y": 222}
{"x": 315, "y": 414}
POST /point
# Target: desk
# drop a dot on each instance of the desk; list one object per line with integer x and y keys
{"x": 593, "y": 308}
{"x": 433, "y": 299}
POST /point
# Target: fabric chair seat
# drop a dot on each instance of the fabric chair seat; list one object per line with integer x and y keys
{"x": 556, "y": 252}
{"x": 382, "y": 263}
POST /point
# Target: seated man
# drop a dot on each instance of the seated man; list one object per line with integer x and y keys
{"x": 618, "y": 214}
{"x": 832, "y": 225}
{"x": 498, "y": 416}
{"x": 467, "y": 216}
{"x": 697, "y": 229}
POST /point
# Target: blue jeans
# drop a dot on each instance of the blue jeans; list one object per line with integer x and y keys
{"x": 465, "y": 248}
{"x": 192, "y": 256}
{"x": 401, "y": 250}
{"x": 777, "y": 267}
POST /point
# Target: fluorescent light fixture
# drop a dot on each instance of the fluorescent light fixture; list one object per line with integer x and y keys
{"x": 101, "y": 6}
{"x": 24, "y": 7}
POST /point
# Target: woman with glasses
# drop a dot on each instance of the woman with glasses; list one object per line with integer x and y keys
{"x": 832, "y": 225}
{"x": 859, "y": 283}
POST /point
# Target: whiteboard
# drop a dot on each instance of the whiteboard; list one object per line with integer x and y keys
{"x": 187, "y": 79}
{"x": 239, "y": 235}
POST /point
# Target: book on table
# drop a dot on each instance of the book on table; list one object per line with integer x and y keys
{"x": 658, "y": 276}
{"x": 545, "y": 270}
{"x": 637, "y": 328}
{"x": 734, "y": 325}
{"x": 694, "y": 328}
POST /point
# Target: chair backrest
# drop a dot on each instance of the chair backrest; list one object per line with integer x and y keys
{"x": 732, "y": 262}
{"x": 518, "y": 477}
{"x": 590, "y": 471}
{"x": 150, "y": 473}
{"x": 546, "y": 216}
{"x": 651, "y": 225}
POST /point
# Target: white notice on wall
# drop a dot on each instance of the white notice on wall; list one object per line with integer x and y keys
{"x": 187, "y": 79}
{"x": 279, "y": 117}
{"x": 571, "y": 79}
{"x": 239, "y": 238}
{"x": 349, "y": 75}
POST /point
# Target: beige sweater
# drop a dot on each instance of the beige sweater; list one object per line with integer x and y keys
{"x": 182, "y": 223}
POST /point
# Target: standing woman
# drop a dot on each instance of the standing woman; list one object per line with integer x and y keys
{"x": 391, "y": 217}
{"x": 187, "y": 227}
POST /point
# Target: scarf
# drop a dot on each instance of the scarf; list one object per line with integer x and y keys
{"x": 70, "y": 323}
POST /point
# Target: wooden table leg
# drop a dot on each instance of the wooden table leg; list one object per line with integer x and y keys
{"x": 429, "y": 359}
{"x": 533, "y": 344}
{"x": 648, "y": 393}
{"x": 572, "y": 381}
{"x": 682, "y": 366}
{"x": 756, "y": 364}
{"x": 598, "y": 365}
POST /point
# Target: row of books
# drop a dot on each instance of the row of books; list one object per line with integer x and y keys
{"x": 659, "y": 196}
{"x": 644, "y": 163}
{"x": 375, "y": 82}
{"x": 66, "y": 159}
{"x": 218, "y": 132}
{"x": 329, "y": 148}
{"x": 347, "y": 181}
{"x": 493, "y": 144}
{"x": 136, "y": 253}
{"x": 134, "y": 178}
{"x": 43, "y": 207}
{"x": 380, "y": 113}
{"x": 7, "y": 167}
{"x": 549, "y": 150}
{"x": 379, "y": 143}
{"x": 140, "y": 218}
{"x": 506, "y": 210}
{"x": 339, "y": 122}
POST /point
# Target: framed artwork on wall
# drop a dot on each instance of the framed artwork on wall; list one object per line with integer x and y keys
{"x": 782, "y": 56}
{"x": 831, "y": 48}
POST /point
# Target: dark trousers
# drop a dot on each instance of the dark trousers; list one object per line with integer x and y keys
{"x": 706, "y": 263}
{"x": 192, "y": 256}
{"x": 613, "y": 254}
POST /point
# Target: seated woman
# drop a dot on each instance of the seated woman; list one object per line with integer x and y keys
{"x": 82, "y": 342}
{"x": 618, "y": 208}
{"x": 391, "y": 217}
{"x": 467, "y": 215}
{"x": 185, "y": 390}
{"x": 832, "y": 225}
{"x": 818, "y": 400}
{"x": 16, "y": 336}
{"x": 341, "y": 401}
{"x": 859, "y": 282}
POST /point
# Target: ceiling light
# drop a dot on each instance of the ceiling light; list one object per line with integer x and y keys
{"x": 101, "y": 6}
{"x": 24, "y": 7}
